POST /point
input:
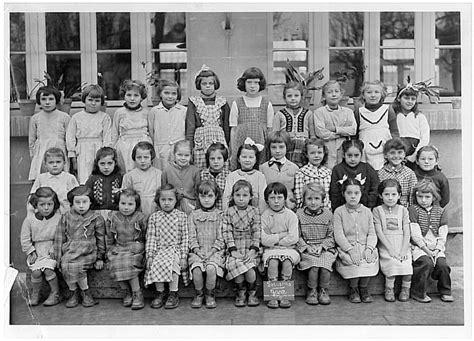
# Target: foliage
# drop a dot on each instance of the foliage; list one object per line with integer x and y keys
{"x": 70, "y": 91}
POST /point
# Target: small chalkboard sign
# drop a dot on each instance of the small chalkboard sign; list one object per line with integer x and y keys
{"x": 279, "y": 290}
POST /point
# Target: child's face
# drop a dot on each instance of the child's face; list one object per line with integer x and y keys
{"x": 81, "y": 204}
{"x": 92, "y": 104}
{"x": 276, "y": 202}
{"x": 208, "y": 86}
{"x": 427, "y": 161}
{"x": 425, "y": 200}
{"x": 407, "y": 102}
{"x": 106, "y": 165}
{"x": 247, "y": 159}
{"x": 127, "y": 205}
{"x": 242, "y": 197}
{"x": 352, "y": 195}
{"x": 390, "y": 196}
{"x": 47, "y": 102}
{"x": 333, "y": 95}
{"x": 169, "y": 96}
{"x": 252, "y": 87}
{"x": 313, "y": 200}
{"x": 278, "y": 150}
{"x": 143, "y": 159}
{"x": 182, "y": 156}
{"x": 45, "y": 206}
{"x": 395, "y": 157}
{"x": 293, "y": 98}
{"x": 207, "y": 200}
{"x": 133, "y": 98}
{"x": 315, "y": 155}
{"x": 373, "y": 94}
{"x": 54, "y": 164}
{"x": 352, "y": 156}
{"x": 216, "y": 161}
{"x": 167, "y": 201}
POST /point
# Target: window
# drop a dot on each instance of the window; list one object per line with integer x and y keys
{"x": 18, "y": 87}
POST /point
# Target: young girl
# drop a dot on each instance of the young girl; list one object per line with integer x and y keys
{"x": 352, "y": 167}
{"x": 392, "y": 226}
{"x": 394, "y": 152}
{"x": 79, "y": 245}
{"x": 241, "y": 232}
{"x": 182, "y": 175}
{"x": 315, "y": 170}
{"x": 429, "y": 230}
{"x": 216, "y": 158}
{"x": 166, "y": 122}
{"x": 333, "y": 123}
{"x": 144, "y": 178}
{"x": 279, "y": 168}
{"x": 56, "y": 178}
{"x": 279, "y": 238}
{"x": 206, "y": 244}
{"x": 316, "y": 243}
{"x": 375, "y": 123}
{"x": 294, "y": 120}
{"x": 356, "y": 242}
{"x": 130, "y": 123}
{"x": 207, "y": 117}
{"x": 247, "y": 156}
{"x": 37, "y": 239}
{"x": 88, "y": 131}
{"x": 47, "y": 129}
{"x": 427, "y": 159}
{"x": 250, "y": 115}
{"x": 126, "y": 230}
{"x": 166, "y": 247}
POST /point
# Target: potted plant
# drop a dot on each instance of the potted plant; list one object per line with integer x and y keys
{"x": 69, "y": 92}
{"x": 354, "y": 75}
{"x": 152, "y": 80}
{"x": 28, "y": 105}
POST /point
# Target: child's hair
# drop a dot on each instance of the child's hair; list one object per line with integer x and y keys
{"x": 397, "y": 105}
{"x": 143, "y": 145}
{"x": 101, "y": 153}
{"x": 325, "y": 88}
{"x": 248, "y": 147}
{"x": 293, "y": 85}
{"x": 79, "y": 191}
{"x": 93, "y": 91}
{"x": 349, "y": 182}
{"x": 207, "y": 73}
{"x": 314, "y": 187}
{"x": 347, "y": 144}
{"x": 429, "y": 148}
{"x": 390, "y": 183}
{"x": 131, "y": 193}
{"x": 426, "y": 186}
{"x": 182, "y": 143}
{"x": 46, "y": 91}
{"x": 54, "y": 152}
{"x": 207, "y": 186}
{"x": 278, "y": 137}
{"x": 238, "y": 186}
{"x": 366, "y": 85}
{"x": 315, "y": 142}
{"x": 216, "y": 146}
{"x": 166, "y": 82}
{"x": 277, "y": 188}
{"x": 129, "y": 84}
{"x": 395, "y": 143}
{"x": 168, "y": 187}
{"x": 252, "y": 73}
{"x": 44, "y": 192}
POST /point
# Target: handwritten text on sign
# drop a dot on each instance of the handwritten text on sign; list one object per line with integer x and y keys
{"x": 278, "y": 290}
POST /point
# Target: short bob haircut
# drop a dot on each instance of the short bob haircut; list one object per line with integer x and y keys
{"x": 101, "y": 153}
{"x": 426, "y": 186}
{"x": 93, "y": 91}
{"x": 395, "y": 143}
{"x": 129, "y": 84}
{"x": 278, "y": 137}
{"x": 347, "y": 144}
{"x": 204, "y": 74}
{"x": 325, "y": 88}
{"x": 248, "y": 147}
{"x": 397, "y": 105}
{"x": 316, "y": 188}
{"x": 44, "y": 192}
{"x": 166, "y": 82}
{"x": 216, "y": 146}
{"x": 237, "y": 187}
{"x": 387, "y": 183}
{"x": 277, "y": 188}
{"x": 319, "y": 143}
{"x": 130, "y": 193}
{"x": 144, "y": 145}
{"x": 79, "y": 191}
{"x": 251, "y": 73}
{"x": 54, "y": 152}
{"x": 293, "y": 85}
{"x": 46, "y": 91}
{"x": 365, "y": 86}
{"x": 207, "y": 186}
{"x": 166, "y": 188}
{"x": 350, "y": 182}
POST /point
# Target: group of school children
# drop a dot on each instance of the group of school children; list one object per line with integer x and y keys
{"x": 213, "y": 191}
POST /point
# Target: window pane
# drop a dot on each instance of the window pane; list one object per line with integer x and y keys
{"x": 168, "y": 28}
{"x": 17, "y": 32}
{"x": 448, "y": 71}
{"x": 289, "y": 28}
{"x": 62, "y": 31}
{"x": 448, "y": 28}
{"x": 17, "y": 77}
{"x": 113, "y": 69}
{"x": 395, "y": 66}
{"x": 397, "y": 29}
{"x": 346, "y": 29}
{"x": 69, "y": 68}
{"x": 113, "y": 31}
{"x": 348, "y": 65}
{"x": 172, "y": 66}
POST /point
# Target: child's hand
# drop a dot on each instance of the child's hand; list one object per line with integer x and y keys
{"x": 393, "y": 253}
{"x": 369, "y": 255}
{"x": 32, "y": 257}
{"x": 99, "y": 264}
{"x": 318, "y": 249}
{"x": 355, "y": 256}
{"x": 250, "y": 256}
{"x": 183, "y": 263}
{"x": 74, "y": 164}
{"x": 201, "y": 254}
{"x": 282, "y": 235}
{"x": 236, "y": 254}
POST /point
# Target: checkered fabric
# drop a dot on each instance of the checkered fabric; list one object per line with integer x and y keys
{"x": 405, "y": 176}
{"x": 220, "y": 180}
{"x": 308, "y": 174}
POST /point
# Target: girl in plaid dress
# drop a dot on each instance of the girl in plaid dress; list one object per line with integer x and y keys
{"x": 166, "y": 247}
{"x": 206, "y": 244}
{"x": 241, "y": 232}
{"x": 316, "y": 244}
{"x": 126, "y": 229}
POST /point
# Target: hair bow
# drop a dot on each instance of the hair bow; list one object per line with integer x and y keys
{"x": 359, "y": 178}
{"x": 250, "y": 142}
{"x": 204, "y": 67}
{"x": 344, "y": 178}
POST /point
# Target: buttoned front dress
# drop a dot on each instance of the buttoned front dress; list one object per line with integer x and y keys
{"x": 146, "y": 183}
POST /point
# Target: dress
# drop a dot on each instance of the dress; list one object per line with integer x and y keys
{"x": 128, "y": 128}
{"x": 146, "y": 184}
{"x": 405, "y": 176}
{"x": 166, "y": 243}
{"x": 241, "y": 231}
{"x": 393, "y": 224}
{"x": 205, "y": 233}
{"x": 104, "y": 191}
{"x": 256, "y": 180}
{"x": 37, "y": 234}
{"x": 219, "y": 178}
{"x": 414, "y": 130}
{"x": 316, "y": 229}
{"x": 308, "y": 174}
{"x": 79, "y": 242}
{"x": 282, "y": 171}
{"x": 125, "y": 245}
{"x": 86, "y": 134}
{"x": 46, "y": 130}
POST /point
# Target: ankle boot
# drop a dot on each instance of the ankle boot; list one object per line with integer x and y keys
{"x": 34, "y": 297}
{"x": 87, "y": 299}
{"x": 138, "y": 301}
{"x": 285, "y": 303}
{"x": 253, "y": 301}
{"x": 240, "y": 297}
{"x": 197, "y": 301}
{"x": 272, "y": 303}
{"x": 73, "y": 300}
{"x": 210, "y": 299}
{"x": 53, "y": 297}
{"x": 127, "y": 299}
